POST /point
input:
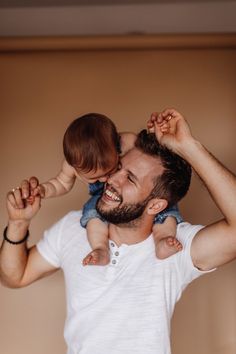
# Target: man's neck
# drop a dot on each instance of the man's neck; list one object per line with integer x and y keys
{"x": 131, "y": 233}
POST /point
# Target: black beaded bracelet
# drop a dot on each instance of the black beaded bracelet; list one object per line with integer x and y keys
{"x": 14, "y": 242}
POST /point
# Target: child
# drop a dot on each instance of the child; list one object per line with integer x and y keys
{"x": 92, "y": 148}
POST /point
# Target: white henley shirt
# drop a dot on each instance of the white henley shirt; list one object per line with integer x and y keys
{"x": 126, "y": 306}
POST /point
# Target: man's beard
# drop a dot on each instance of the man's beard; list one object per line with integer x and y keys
{"x": 124, "y": 214}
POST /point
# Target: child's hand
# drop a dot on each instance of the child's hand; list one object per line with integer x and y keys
{"x": 39, "y": 190}
{"x": 36, "y": 190}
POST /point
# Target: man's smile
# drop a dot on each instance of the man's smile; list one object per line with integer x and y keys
{"x": 110, "y": 194}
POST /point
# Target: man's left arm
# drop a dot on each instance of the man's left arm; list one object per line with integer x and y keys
{"x": 214, "y": 245}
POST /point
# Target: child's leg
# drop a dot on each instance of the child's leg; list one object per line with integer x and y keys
{"x": 97, "y": 233}
{"x": 165, "y": 239}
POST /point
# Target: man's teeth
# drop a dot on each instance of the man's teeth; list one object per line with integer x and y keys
{"x": 112, "y": 195}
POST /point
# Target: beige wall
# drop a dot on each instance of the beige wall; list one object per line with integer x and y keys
{"x": 41, "y": 92}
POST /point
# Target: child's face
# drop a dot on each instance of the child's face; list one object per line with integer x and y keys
{"x": 100, "y": 175}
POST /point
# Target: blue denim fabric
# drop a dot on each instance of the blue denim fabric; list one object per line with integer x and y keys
{"x": 96, "y": 188}
{"x": 89, "y": 211}
{"x": 89, "y": 208}
{"x": 172, "y": 211}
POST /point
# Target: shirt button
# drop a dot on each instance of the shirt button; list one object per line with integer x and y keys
{"x": 113, "y": 261}
{"x": 112, "y": 244}
{"x": 116, "y": 253}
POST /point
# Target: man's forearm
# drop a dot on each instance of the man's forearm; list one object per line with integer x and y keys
{"x": 220, "y": 182}
{"x": 13, "y": 258}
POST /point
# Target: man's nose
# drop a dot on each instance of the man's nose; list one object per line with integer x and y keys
{"x": 115, "y": 179}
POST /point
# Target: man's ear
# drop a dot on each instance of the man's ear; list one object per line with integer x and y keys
{"x": 156, "y": 205}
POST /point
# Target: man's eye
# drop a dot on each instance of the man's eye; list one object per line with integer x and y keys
{"x": 130, "y": 179}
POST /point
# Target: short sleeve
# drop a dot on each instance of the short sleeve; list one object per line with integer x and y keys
{"x": 49, "y": 245}
{"x": 187, "y": 271}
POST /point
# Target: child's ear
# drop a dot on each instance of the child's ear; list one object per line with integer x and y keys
{"x": 155, "y": 206}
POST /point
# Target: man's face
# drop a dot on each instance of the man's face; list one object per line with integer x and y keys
{"x": 127, "y": 191}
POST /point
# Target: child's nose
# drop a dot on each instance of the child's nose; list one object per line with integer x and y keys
{"x": 103, "y": 179}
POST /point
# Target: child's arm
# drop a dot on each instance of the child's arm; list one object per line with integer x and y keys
{"x": 59, "y": 185}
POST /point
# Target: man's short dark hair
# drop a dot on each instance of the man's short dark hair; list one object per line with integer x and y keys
{"x": 174, "y": 182}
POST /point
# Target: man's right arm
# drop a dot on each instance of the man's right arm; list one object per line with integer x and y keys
{"x": 20, "y": 265}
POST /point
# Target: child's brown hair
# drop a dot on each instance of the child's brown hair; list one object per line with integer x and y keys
{"x": 89, "y": 141}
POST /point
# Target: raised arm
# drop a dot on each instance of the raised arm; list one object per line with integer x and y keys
{"x": 59, "y": 185}
{"x": 214, "y": 245}
{"x": 20, "y": 265}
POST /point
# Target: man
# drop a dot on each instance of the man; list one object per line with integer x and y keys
{"x": 126, "y": 307}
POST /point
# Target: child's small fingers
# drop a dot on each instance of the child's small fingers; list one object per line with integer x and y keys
{"x": 154, "y": 115}
{"x": 40, "y": 191}
{"x": 33, "y": 182}
{"x": 150, "y": 123}
{"x": 151, "y": 130}
{"x": 30, "y": 199}
{"x": 35, "y": 192}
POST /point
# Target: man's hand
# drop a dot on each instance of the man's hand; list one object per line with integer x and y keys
{"x": 21, "y": 265}
{"x": 22, "y": 205}
{"x": 170, "y": 128}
